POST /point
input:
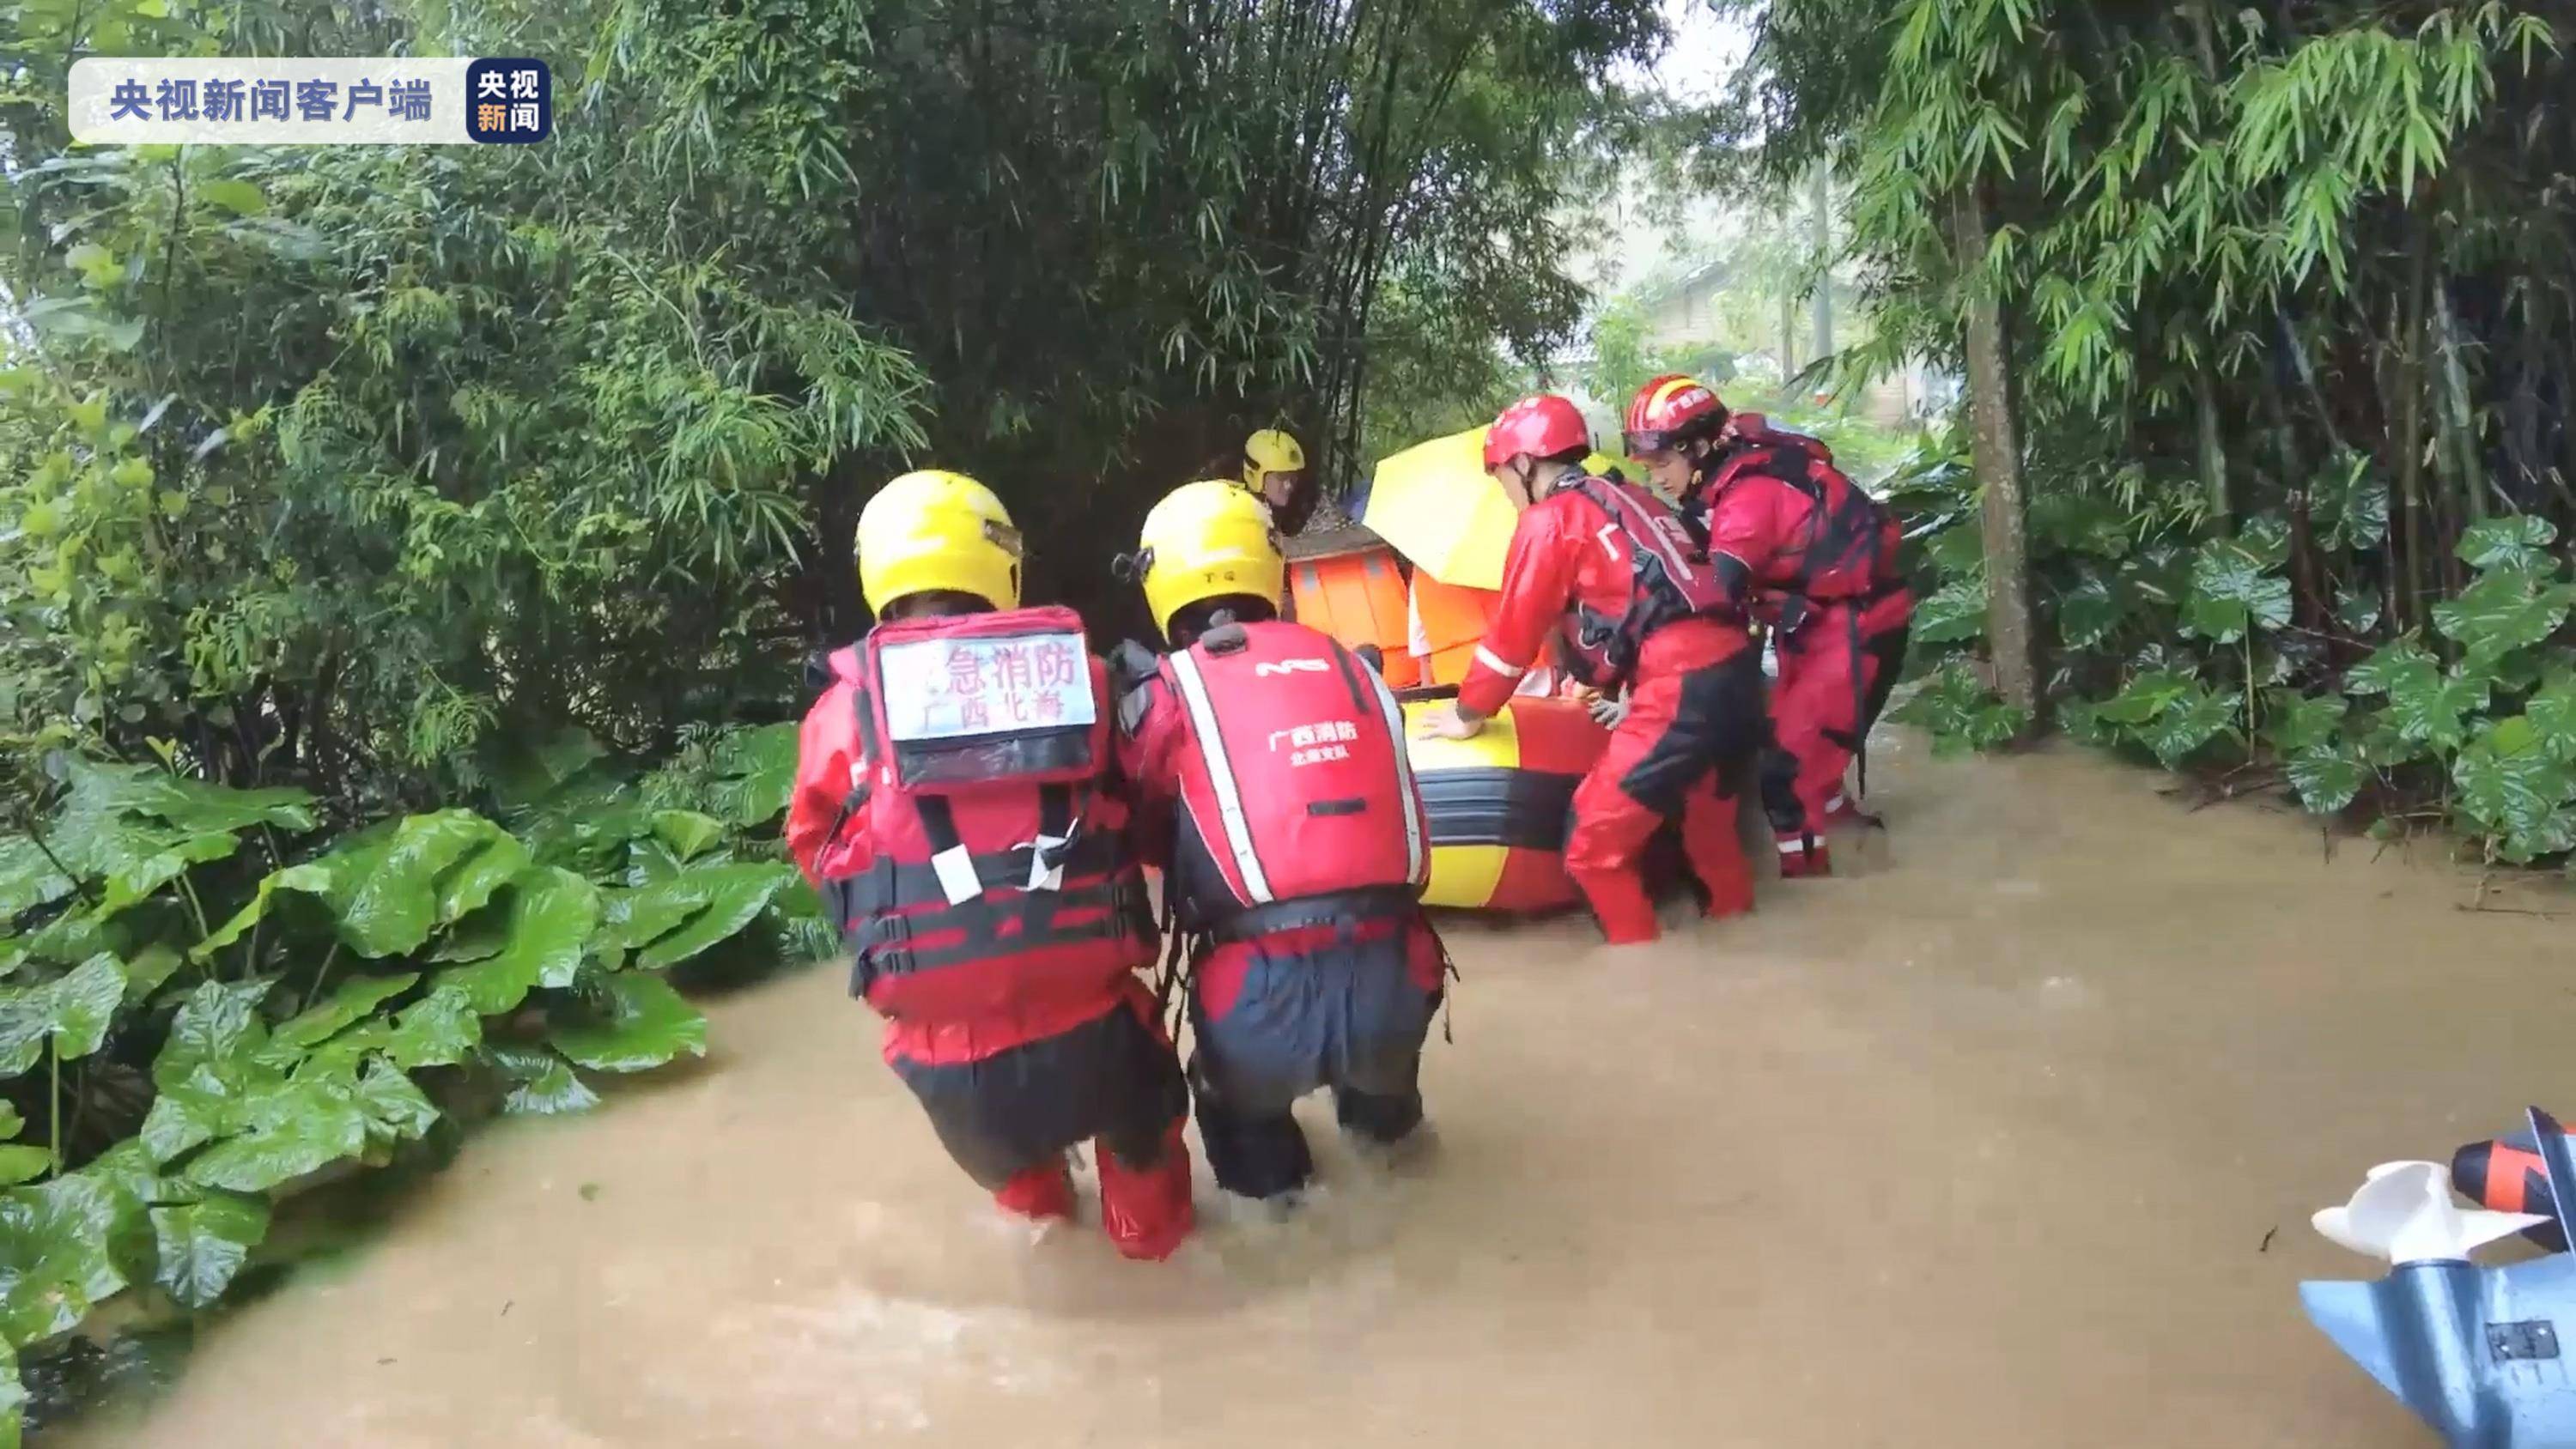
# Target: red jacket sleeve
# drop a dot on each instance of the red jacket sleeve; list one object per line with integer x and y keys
{"x": 1538, "y": 581}
{"x": 828, "y": 758}
{"x": 1748, "y": 524}
{"x": 1149, "y": 758}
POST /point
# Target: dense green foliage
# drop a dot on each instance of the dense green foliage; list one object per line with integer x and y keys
{"x": 2291, "y": 324}
{"x": 330, "y": 478}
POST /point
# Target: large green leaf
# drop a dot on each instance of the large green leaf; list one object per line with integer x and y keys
{"x": 197, "y": 1110}
{"x": 353, "y": 998}
{"x": 2233, "y": 590}
{"x": 687, "y": 832}
{"x": 1952, "y": 613}
{"x": 2297, "y": 722}
{"x": 2518, "y": 542}
{"x": 218, "y": 1023}
{"x": 755, "y": 771}
{"x": 2199, "y": 717}
{"x": 2552, "y": 712}
{"x": 135, "y": 829}
{"x": 725, "y": 899}
{"x": 74, "y": 1010}
{"x": 203, "y": 1244}
{"x": 309, "y": 878}
{"x": 2069, "y": 522}
{"x": 2357, "y": 610}
{"x": 2516, "y": 790}
{"x": 1960, "y": 711}
{"x": 2146, "y": 696}
{"x": 438, "y": 1030}
{"x": 393, "y": 1101}
{"x": 27, "y": 876}
{"x": 544, "y": 1084}
{"x": 13, "y": 1398}
{"x": 286, "y": 1129}
{"x": 2390, "y": 662}
{"x": 57, "y": 1257}
{"x": 2087, "y": 613}
{"x": 389, "y": 892}
{"x": 551, "y": 913}
{"x": 2351, "y": 502}
{"x": 2504, "y": 610}
{"x": 2434, "y": 709}
{"x": 21, "y": 1161}
{"x": 645, "y": 1025}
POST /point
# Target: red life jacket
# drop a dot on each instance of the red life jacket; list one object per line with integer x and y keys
{"x": 1848, "y": 546}
{"x": 1671, "y": 575}
{"x": 1001, "y": 881}
{"x": 1294, "y": 784}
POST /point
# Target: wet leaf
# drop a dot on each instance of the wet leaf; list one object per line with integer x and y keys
{"x": 755, "y": 771}
{"x": 27, "y": 877}
{"x": 11, "y": 1124}
{"x": 13, "y": 1397}
{"x": 2086, "y": 614}
{"x": 239, "y": 197}
{"x": 2516, "y": 790}
{"x": 206, "y": 1105}
{"x": 734, "y": 894}
{"x": 2351, "y": 499}
{"x": 2297, "y": 723}
{"x": 1952, "y": 613}
{"x": 2504, "y": 610}
{"x": 388, "y": 892}
{"x": 2146, "y": 696}
{"x": 438, "y": 1030}
{"x": 2379, "y": 673}
{"x": 552, "y": 913}
{"x": 1960, "y": 712}
{"x": 20, "y": 1162}
{"x": 146, "y": 969}
{"x": 2357, "y": 610}
{"x": 288, "y": 1129}
{"x": 392, "y": 1100}
{"x": 56, "y": 1258}
{"x": 2065, "y": 522}
{"x": 687, "y": 832}
{"x": 2196, "y": 719}
{"x": 353, "y": 998}
{"x": 1956, "y": 551}
{"x": 546, "y": 1084}
{"x": 219, "y": 1022}
{"x": 2433, "y": 709}
{"x": 2233, "y": 591}
{"x": 309, "y": 878}
{"x": 2552, "y": 713}
{"x": 2519, "y": 542}
{"x": 74, "y": 1010}
{"x": 647, "y": 1025}
{"x": 204, "y": 1244}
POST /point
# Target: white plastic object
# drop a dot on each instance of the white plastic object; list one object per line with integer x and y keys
{"x": 2404, "y": 1213}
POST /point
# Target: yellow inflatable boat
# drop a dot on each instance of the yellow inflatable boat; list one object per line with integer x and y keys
{"x": 1499, "y": 804}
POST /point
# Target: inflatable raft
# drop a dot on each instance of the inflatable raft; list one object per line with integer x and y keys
{"x": 1348, "y": 584}
{"x": 1499, "y": 804}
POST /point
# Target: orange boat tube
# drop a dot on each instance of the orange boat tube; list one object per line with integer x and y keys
{"x": 1499, "y": 804}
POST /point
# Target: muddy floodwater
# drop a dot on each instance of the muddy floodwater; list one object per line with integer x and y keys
{"x": 1983, "y": 1147}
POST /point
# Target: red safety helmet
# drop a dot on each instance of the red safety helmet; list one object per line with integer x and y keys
{"x": 1541, "y": 425}
{"x": 1671, "y": 410}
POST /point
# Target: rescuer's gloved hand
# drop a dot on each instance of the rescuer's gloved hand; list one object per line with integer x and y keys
{"x": 1608, "y": 710}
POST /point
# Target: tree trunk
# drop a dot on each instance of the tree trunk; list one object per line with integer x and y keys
{"x": 1997, "y": 456}
{"x": 1824, "y": 227}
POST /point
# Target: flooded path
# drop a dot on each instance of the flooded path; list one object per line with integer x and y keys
{"x": 1981, "y": 1148}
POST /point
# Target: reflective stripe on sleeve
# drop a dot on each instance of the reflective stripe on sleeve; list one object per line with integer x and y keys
{"x": 1229, "y": 799}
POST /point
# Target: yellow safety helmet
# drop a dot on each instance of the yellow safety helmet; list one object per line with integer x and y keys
{"x": 1600, "y": 465}
{"x": 937, "y": 530}
{"x": 1203, "y": 541}
{"x": 1270, "y": 451}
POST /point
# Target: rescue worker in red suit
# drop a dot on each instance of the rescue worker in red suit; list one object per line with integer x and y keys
{"x": 954, "y": 803}
{"x": 1817, "y": 557}
{"x": 1274, "y": 791}
{"x": 1609, "y": 571}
